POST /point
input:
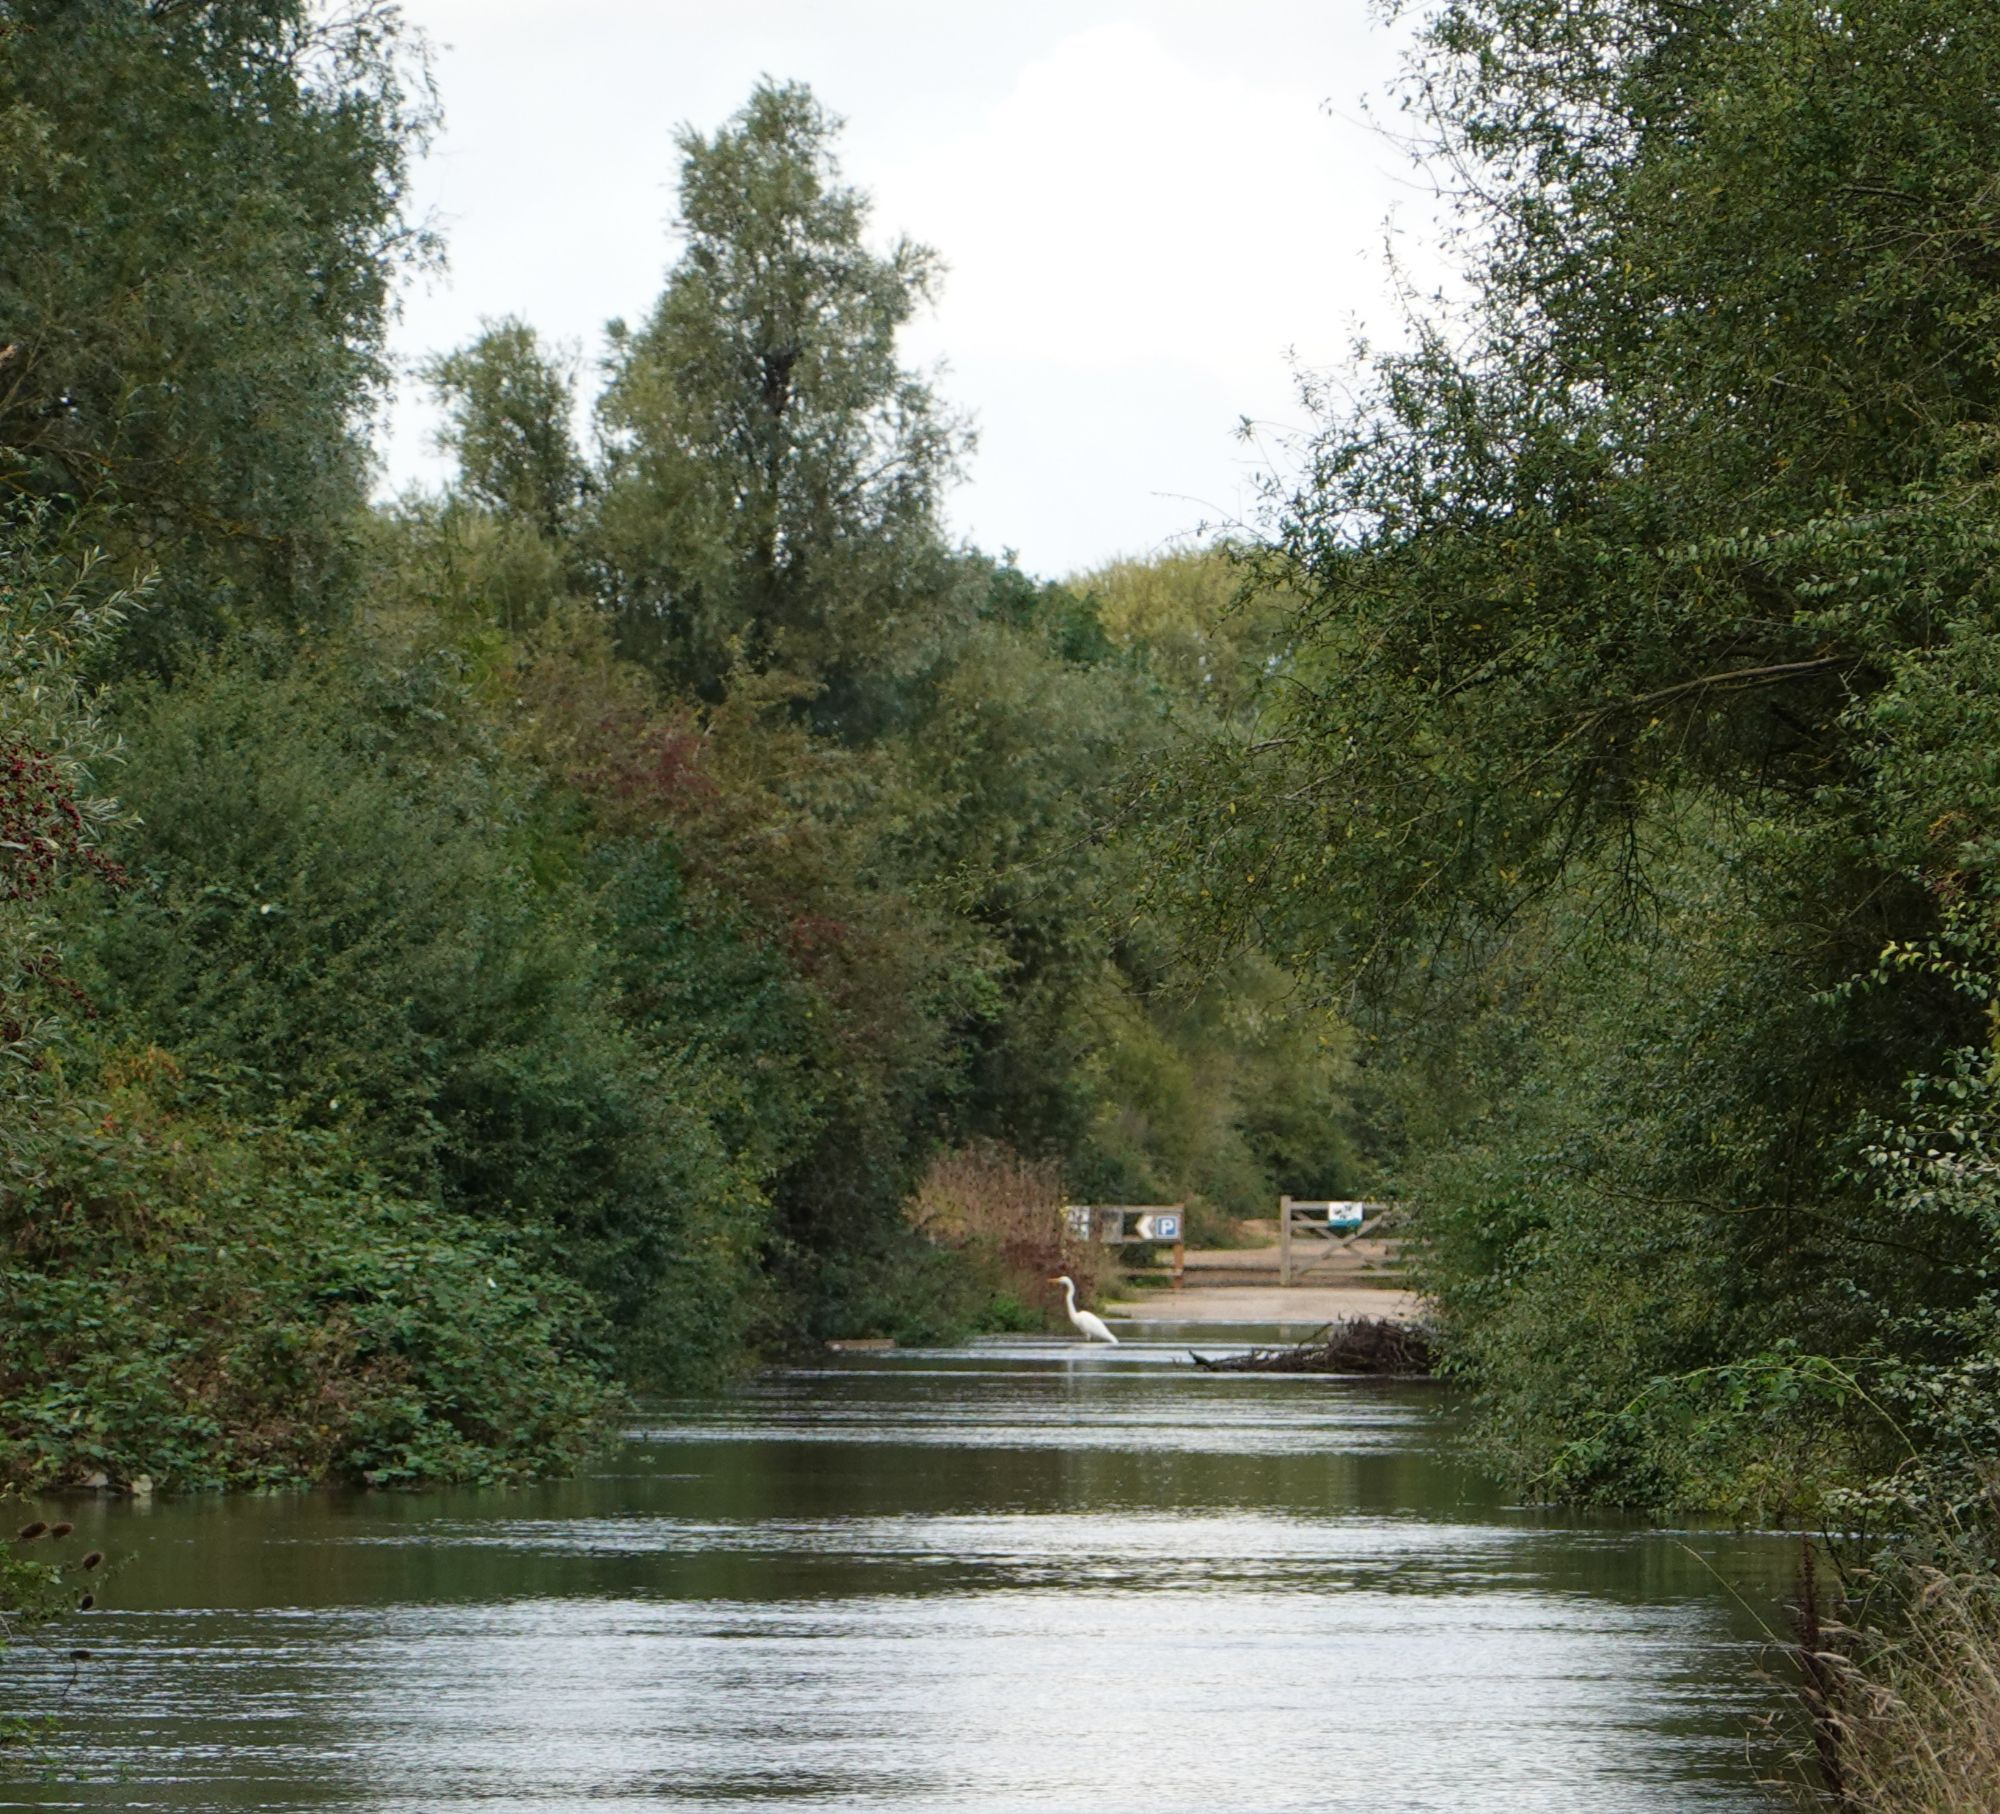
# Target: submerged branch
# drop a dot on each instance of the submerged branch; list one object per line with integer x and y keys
{"x": 1365, "y": 1344}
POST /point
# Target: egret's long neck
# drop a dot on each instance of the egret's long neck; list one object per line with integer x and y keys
{"x": 1069, "y": 1292}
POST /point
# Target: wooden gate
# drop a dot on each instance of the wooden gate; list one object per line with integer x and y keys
{"x": 1312, "y": 1230}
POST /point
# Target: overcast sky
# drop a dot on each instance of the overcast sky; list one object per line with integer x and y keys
{"x": 1146, "y": 209}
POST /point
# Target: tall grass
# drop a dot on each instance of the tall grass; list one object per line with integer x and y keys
{"x": 1905, "y": 1701}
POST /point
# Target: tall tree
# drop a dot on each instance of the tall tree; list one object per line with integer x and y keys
{"x": 507, "y": 406}
{"x": 775, "y": 471}
{"x": 202, "y": 210}
{"x": 1655, "y": 595}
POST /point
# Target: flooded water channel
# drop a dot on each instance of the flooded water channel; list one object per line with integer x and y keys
{"x": 1016, "y": 1577}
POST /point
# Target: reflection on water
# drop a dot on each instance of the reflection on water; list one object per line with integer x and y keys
{"x": 1026, "y": 1576}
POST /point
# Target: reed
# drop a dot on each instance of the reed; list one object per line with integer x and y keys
{"x": 1904, "y": 1703}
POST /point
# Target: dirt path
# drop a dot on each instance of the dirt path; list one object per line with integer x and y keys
{"x": 1240, "y": 1285}
{"x": 1306, "y": 1304}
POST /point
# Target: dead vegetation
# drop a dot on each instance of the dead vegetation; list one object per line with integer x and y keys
{"x": 1005, "y": 1212}
{"x": 1904, "y": 1704}
{"x": 1364, "y": 1344}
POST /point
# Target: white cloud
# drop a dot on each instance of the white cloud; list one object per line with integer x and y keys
{"x": 1122, "y": 207}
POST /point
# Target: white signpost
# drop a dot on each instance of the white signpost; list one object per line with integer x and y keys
{"x": 1122, "y": 1224}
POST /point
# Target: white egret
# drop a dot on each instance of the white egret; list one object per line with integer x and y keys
{"x": 1089, "y": 1324}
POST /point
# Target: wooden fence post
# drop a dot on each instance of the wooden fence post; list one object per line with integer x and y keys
{"x": 1284, "y": 1240}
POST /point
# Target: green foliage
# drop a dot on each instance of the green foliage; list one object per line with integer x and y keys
{"x": 1014, "y": 763}
{"x": 857, "y": 837}
{"x": 203, "y": 209}
{"x": 1691, "y": 484}
{"x": 191, "y": 1296}
{"x": 1635, "y": 1260}
{"x": 1230, "y": 1095}
{"x": 39, "y": 1581}
{"x": 895, "y": 1284}
{"x": 53, "y": 618}
{"x": 197, "y": 1298}
{"x": 1640, "y": 705}
{"x": 507, "y": 423}
{"x": 774, "y": 472}
{"x": 587, "y": 902}
{"x": 51, "y": 622}
{"x": 341, "y": 899}
{"x": 834, "y": 992}
{"x": 1199, "y": 622}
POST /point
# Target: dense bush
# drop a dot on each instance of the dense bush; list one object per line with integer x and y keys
{"x": 197, "y": 1295}
{"x": 344, "y": 899}
{"x": 1633, "y": 766}
{"x": 198, "y": 1289}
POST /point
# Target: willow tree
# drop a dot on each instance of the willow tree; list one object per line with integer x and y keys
{"x": 507, "y": 402}
{"x": 774, "y": 470}
{"x": 202, "y": 213}
{"x": 1651, "y": 600}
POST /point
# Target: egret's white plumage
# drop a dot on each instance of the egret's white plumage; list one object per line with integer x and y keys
{"x": 1089, "y": 1324}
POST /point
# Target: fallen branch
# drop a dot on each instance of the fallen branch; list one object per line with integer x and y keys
{"x": 1366, "y": 1344}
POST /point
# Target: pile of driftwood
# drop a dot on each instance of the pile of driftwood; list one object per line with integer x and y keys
{"x": 1366, "y": 1344}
